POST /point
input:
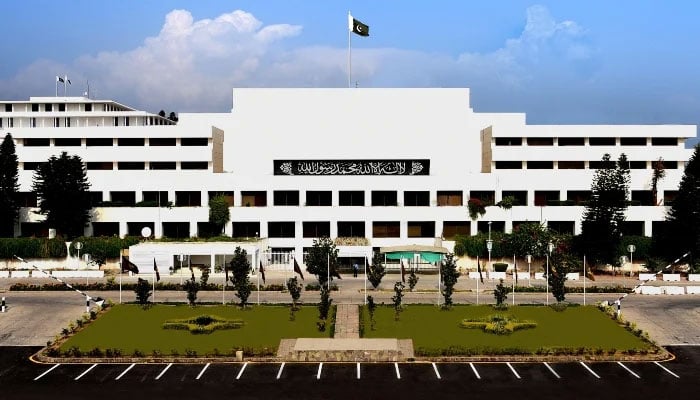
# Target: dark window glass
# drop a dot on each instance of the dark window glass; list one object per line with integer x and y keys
{"x": 97, "y": 165}
{"x": 88, "y": 107}
{"x": 156, "y": 197}
{"x": 570, "y": 141}
{"x": 8, "y": 107}
{"x": 509, "y": 141}
{"x": 188, "y": 199}
{"x": 130, "y": 142}
{"x": 578, "y": 197}
{"x": 194, "y": 141}
{"x": 31, "y": 166}
{"x": 131, "y": 165}
{"x": 546, "y": 198}
{"x": 66, "y": 142}
{"x": 176, "y": 229}
{"x": 286, "y": 197}
{"x": 509, "y": 165}
{"x": 122, "y": 198}
{"x": 638, "y": 164}
{"x": 496, "y": 226}
{"x": 450, "y": 229}
{"x": 246, "y": 229}
{"x": 89, "y": 142}
{"x": 486, "y": 196}
{"x": 449, "y": 198}
{"x": 561, "y": 227}
{"x": 351, "y": 198}
{"x": 194, "y": 165}
{"x": 35, "y": 107}
{"x": 61, "y": 107}
{"x": 601, "y": 141}
{"x": 48, "y": 107}
{"x": 633, "y": 141}
{"x": 316, "y": 229}
{"x": 162, "y": 164}
{"x": 383, "y": 198}
{"x": 540, "y": 165}
{"x": 519, "y": 195}
{"x": 571, "y": 165}
{"x": 318, "y": 198}
{"x": 422, "y": 229}
{"x": 537, "y": 141}
{"x": 670, "y": 164}
{"x": 37, "y": 142}
{"x": 351, "y": 229}
{"x": 253, "y": 199}
{"x": 280, "y": 229}
{"x": 416, "y": 198}
{"x": 26, "y": 199}
{"x": 662, "y": 141}
{"x": 384, "y": 229}
{"x": 106, "y": 229}
{"x": 161, "y": 142}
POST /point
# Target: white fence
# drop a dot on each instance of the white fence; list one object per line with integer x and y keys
{"x": 539, "y": 275}
{"x": 647, "y": 277}
{"x": 692, "y": 289}
{"x": 497, "y": 275}
{"x": 524, "y": 275}
{"x": 651, "y": 290}
{"x": 573, "y": 276}
{"x": 4, "y": 274}
{"x": 674, "y": 289}
{"x": 672, "y": 277}
{"x": 76, "y": 274}
{"x": 693, "y": 277}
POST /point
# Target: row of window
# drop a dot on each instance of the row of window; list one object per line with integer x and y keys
{"x": 108, "y": 142}
{"x": 578, "y": 164}
{"x": 48, "y": 107}
{"x": 581, "y": 141}
{"x": 131, "y": 165}
{"x": 356, "y": 198}
{"x": 314, "y": 229}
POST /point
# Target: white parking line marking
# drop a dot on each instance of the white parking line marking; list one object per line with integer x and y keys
{"x": 436, "y": 371}
{"x": 589, "y": 370}
{"x": 358, "y": 370}
{"x": 202, "y": 371}
{"x": 51, "y": 369}
{"x": 475, "y": 373}
{"x": 240, "y": 373}
{"x": 666, "y": 369}
{"x": 513, "y": 369}
{"x": 163, "y": 371}
{"x": 125, "y": 371}
{"x": 552, "y": 370}
{"x": 396, "y": 367}
{"x": 85, "y": 372}
{"x": 318, "y": 374}
{"x": 629, "y": 370}
{"x": 279, "y": 373}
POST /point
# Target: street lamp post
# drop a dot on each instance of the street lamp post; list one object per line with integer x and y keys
{"x": 489, "y": 245}
{"x": 78, "y": 246}
{"x": 529, "y": 260}
{"x": 631, "y": 248}
{"x": 550, "y": 247}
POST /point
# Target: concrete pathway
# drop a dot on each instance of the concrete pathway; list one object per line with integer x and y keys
{"x": 347, "y": 322}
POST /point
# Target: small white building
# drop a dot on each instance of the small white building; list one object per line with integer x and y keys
{"x": 369, "y": 167}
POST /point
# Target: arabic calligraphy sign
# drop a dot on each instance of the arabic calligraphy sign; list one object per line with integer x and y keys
{"x": 351, "y": 167}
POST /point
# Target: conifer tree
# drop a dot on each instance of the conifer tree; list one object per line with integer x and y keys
{"x": 684, "y": 215}
{"x": 9, "y": 186}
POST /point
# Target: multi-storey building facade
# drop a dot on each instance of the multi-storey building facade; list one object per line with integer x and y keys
{"x": 394, "y": 166}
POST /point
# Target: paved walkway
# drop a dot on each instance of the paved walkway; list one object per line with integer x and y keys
{"x": 347, "y": 322}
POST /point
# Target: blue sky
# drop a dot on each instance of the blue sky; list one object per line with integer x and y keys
{"x": 565, "y": 62}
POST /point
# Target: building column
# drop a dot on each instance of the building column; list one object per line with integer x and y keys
{"x": 647, "y": 228}
{"x": 123, "y": 229}
{"x": 193, "y": 228}
{"x": 438, "y": 229}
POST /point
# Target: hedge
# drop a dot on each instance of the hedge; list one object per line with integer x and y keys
{"x": 109, "y": 247}
{"x": 32, "y": 248}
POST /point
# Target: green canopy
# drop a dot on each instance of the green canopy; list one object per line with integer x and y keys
{"x": 429, "y": 254}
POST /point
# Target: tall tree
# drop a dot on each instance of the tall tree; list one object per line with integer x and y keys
{"x": 322, "y": 259}
{"x": 376, "y": 271}
{"x": 449, "y": 275}
{"x": 601, "y": 228}
{"x": 63, "y": 189}
{"x": 684, "y": 215}
{"x": 657, "y": 174}
{"x": 9, "y": 186}
{"x": 240, "y": 268}
{"x": 219, "y": 214}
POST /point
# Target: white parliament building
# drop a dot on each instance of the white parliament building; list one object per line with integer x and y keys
{"x": 367, "y": 167}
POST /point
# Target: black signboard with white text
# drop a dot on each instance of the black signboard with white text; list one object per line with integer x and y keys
{"x": 352, "y": 167}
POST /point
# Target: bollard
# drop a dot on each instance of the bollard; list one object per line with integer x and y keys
{"x": 239, "y": 355}
{"x": 87, "y": 305}
{"x": 3, "y": 303}
{"x": 618, "y": 303}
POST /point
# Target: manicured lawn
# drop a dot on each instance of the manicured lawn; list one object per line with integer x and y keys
{"x": 434, "y": 330}
{"x": 129, "y": 327}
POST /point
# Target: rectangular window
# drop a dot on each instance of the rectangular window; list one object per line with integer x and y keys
{"x": 67, "y": 142}
{"x": 570, "y": 141}
{"x": 179, "y": 230}
{"x": 351, "y": 198}
{"x": 126, "y": 121}
{"x": 599, "y": 164}
{"x": 421, "y": 229}
{"x": 383, "y": 198}
{"x": 450, "y": 229}
{"x": 188, "y": 199}
{"x": 32, "y": 122}
{"x": 537, "y": 141}
{"x": 509, "y": 165}
{"x": 161, "y": 142}
{"x": 578, "y": 197}
{"x": 662, "y": 141}
{"x": 228, "y": 195}
{"x": 35, "y": 107}
{"x": 27, "y": 199}
{"x": 633, "y": 141}
{"x": 131, "y": 165}
{"x": 546, "y": 198}
{"x": 31, "y": 166}
{"x": 386, "y": 229}
{"x": 130, "y": 142}
{"x": 670, "y": 164}
{"x": 637, "y": 164}
{"x": 96, "y": 165}
{"x": 134, "y": 228}
{"x": 194, "y": 165}
{"x": 351, "y": 229}
{"x": 520, "y": 196}
{"x": 416, "y": 198}
{"x": 161, "y": 165}
{"x": 540, "y": 165}
{"x": 318, "y": 198}
{"x": 48, "y": 107}
{"x": 10, "y": 122}
{"x": 509, "y": 141}
{"x": 601, "y": 141}
{"x": 116, "y": 121}
{"x": 155, "y": 198}
{"x": 496, "y": 226}
{"x": 61, "y": 106}
{"x": 669, "y": 197}
{"x": 571, "y": 165}
{"x": 56, "y": 122}
{"x": 194, "y": 142}
{"x": 67, "y": 122}
{"x": 280, "y": 230}
{"x": 122, "y": 198}
{"x": 449, "y": 198}
{"x": 95, "y": 142}
{"x": 315, "y": 229}
{"x": 642, "y": 198}
{"x": 88, "y": 107}
{"x": 37, "y": 142}
{"x": 285, "y": 197}
{"x": 486, "y": 196}
{"x": 254, "y": 199}
{"x": 8, "y": 107}
{"x": 561, "y": 227}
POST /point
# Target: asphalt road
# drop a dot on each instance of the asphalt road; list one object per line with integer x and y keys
{"x": 23, "y": 379}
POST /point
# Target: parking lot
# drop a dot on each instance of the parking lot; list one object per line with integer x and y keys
{"x": 26, "y": 379}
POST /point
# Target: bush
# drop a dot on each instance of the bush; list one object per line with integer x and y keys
{"x": 500, "y": 267}
{"x": 32, "y": 248}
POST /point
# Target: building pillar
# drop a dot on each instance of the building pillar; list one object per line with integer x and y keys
{"x": 648, "y": 228}
{"x": 193, "y": 228}
{"x": 123, "y": 229}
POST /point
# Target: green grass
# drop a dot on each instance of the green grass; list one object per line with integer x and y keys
{"x": 434, "y": 330}
{"x": 129, "y": 327}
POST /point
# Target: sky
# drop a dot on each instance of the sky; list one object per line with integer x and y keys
{"x": 561, "y": 62}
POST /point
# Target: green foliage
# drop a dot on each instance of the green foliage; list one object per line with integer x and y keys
{"x": 449, "y": 276}
{"x": 192, "y": 288}
{"x": 601, "y": 228}
{"x": 143, "y": 292}
{"x": 371, "y": 307}
{"x": 475, "y": 246}
{"x": 32, "y": 248}
{"x": 102, "y": 248}
{"x": 9, "y": 187}
{"x": 219, "y": 213}
{"x": 397, "y": 299}
{"x": 203, "y": 324}
{"x": 683, "y": 234}
{"x": 63, "y": 189}
{"x": 376, "y": 271}
{"x": 500, "y": 293}
{"x": 498, "y": 324}
{"x": 294, "y": 287}
{"x": 561, "y": 263}
{"x": 240, "y": 267}
{"x": 476, "y": 208}
{"x": 507, "y": 202}
{"x": 323, "y": 307}
{"x": 658, "y": 173}
{"x": 529, "y": 238}
{"x": 643, "y": 246}
{"x": 412, "y": 279}
{"x": 322, "y": 258}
